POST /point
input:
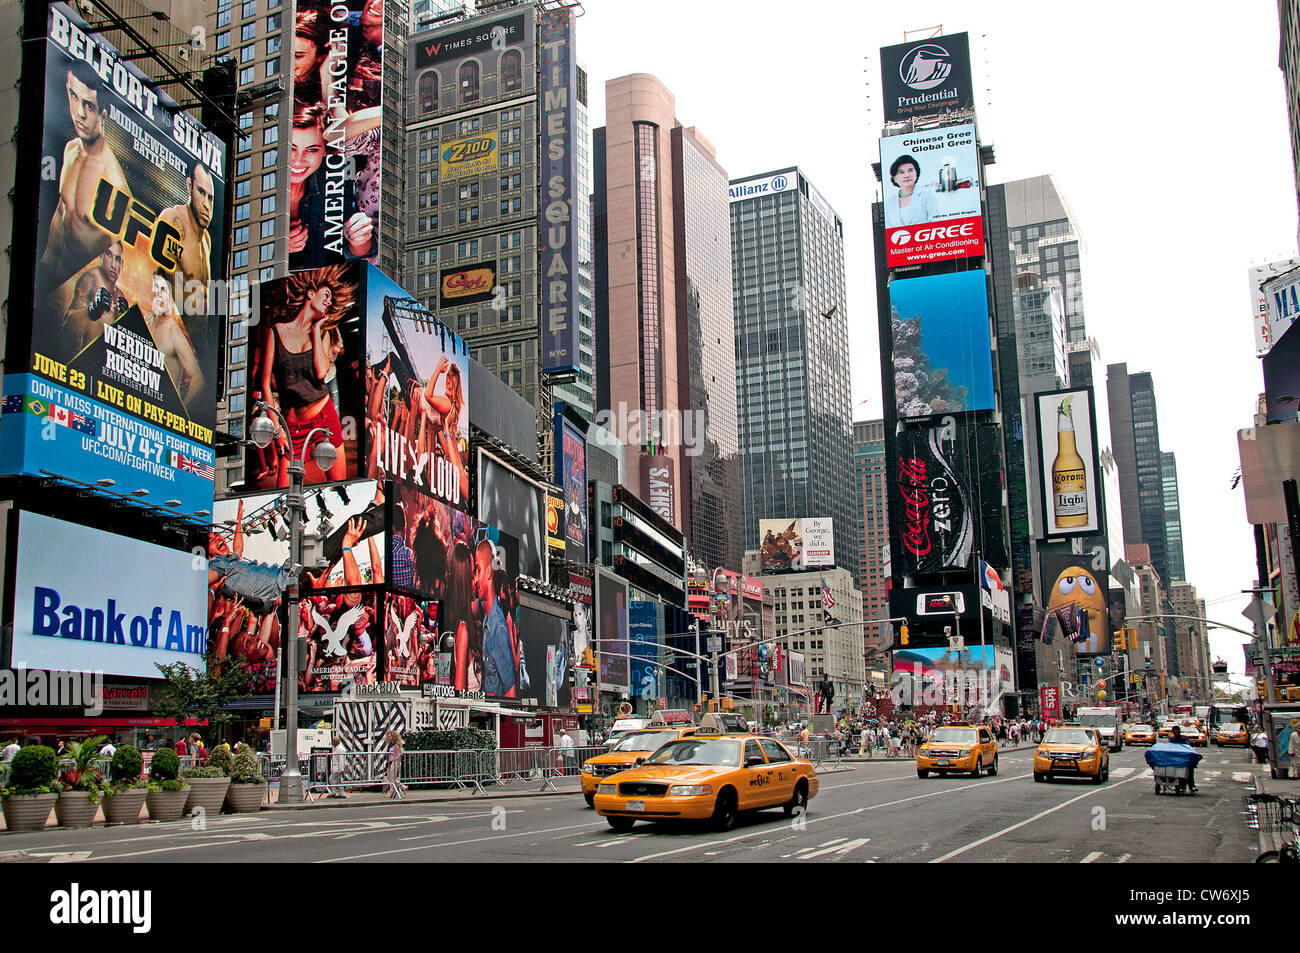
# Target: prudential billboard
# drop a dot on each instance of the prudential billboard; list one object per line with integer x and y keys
{"x": 90, "y": 601}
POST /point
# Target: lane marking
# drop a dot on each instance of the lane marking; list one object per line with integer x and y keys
{"x": 1124, "y": 858}
{"x": 841, "y": 850}
{"x": 831, "y": 817}
{"x": 1091, "y": 857}
{"x": 472, "y": 840}
{"x": 1029, "y": 820}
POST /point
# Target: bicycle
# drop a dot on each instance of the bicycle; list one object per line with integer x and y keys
{"x": 1271, "y": 814}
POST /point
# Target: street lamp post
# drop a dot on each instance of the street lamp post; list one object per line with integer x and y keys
{"x": 262, "y": 431}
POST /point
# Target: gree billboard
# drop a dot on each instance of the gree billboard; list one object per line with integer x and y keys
{"x": 932, "y": 196}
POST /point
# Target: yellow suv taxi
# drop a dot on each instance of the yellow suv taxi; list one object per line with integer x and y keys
{"x": 1075, "y": 750}
{"x": 1232, "y": 733}
{"x": 710, "y": 775}
{"x": 958, "y": 748}
{"x": 628, "y": 751}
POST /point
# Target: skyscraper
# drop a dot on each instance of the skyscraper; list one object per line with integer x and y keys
{"x": 665, "y": 351}
{"x": 792, "y": 368}
{"x": 870, "y": 480}
{"x": 1047, "y": 243}
{"x": 1173, "y": 517}
{"x": 478, "y": 80}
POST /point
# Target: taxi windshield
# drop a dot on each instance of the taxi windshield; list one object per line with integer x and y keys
{"x": 964, "y": 736}
{"x": 643, "y": 740}
{"x": 1068, "y": 736}
{"x": 698, "y": 751}
{"x": 1233, "y": 726}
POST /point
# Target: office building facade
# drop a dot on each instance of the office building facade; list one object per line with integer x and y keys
{"x": 792, "y": 358}
{"x": 1047, "y": 243}
{"x": 870, "y": 481}
{"x": 1173, "y": 516}
{"x": 664, "y": 333}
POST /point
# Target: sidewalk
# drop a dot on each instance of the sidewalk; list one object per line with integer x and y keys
{"x": 1285, "y": 787}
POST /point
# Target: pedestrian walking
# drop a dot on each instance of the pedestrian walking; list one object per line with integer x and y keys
{"x": 1293, "y": 748}
{"x": 566, "y": 752}
{"x": 395, "y": 790}
{"x": 336, "y": 768}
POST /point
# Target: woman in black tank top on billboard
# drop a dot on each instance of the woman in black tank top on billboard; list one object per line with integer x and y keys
{"x": 298, "y": 354}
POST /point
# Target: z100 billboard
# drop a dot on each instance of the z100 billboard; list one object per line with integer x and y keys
{"x": 90, "y": 601}
{"x": 115, "y": 330}
{"x": 932, "y": 196}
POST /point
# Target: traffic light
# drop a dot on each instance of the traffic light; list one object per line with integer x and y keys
{"x": 588, "y": 657}
{"x": 902, "y": 634}
{"x": 1121, "y": 640}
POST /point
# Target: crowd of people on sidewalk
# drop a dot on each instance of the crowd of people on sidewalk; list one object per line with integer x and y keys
{"x": 869, "y": 735}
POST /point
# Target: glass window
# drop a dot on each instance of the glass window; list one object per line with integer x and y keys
{"x": 268, "y": 227}
{"x": 429, "y": 91}
{"x": 270, "y": 134}
{"x": 268, "y": 182}
{"x": 240, "y": 259}
{"x": 223, "y": 41}
{"x": 268, "y": 205}
{"x": 236, "y": 403}
{"x": 241, "y": 212}
{"x": 249, "y": 9}
{"x": 273, "y": 67}
{"x": 241, "y": 235}
{"x": 266, "y": 252}
{"x": 243, "y": 166}
{"x": 512, "y": 70}
{"x": 273, "y": 23}
{"x": 269, "y": 158}
{"x": 246, "y": 33}
{"x": 242, "y": 188}
{"x": 467, "y": 81}
{"x": 247, "y": 75}
{"x": 237, "y": 378}
{"x": 272, "y": 45}
{"x": 238, "y": 354}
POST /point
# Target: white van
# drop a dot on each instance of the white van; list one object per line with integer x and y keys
{"x": 624, "y": 725}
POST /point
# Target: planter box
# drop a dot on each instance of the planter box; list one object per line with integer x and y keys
{"x": 167, "y": 805}
{"x": 74, "y": 809}
{"x": 28, "y": 812}
{"x": 207, "y": 793}
{"x": 124, "y": 806}
{"x": 246, "y": 798}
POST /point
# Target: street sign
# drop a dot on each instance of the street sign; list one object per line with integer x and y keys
{"x": 1259, "y": 612}
{"x": 714, "y": 643}
{"x": 956, "y": 643}
{"x": 1099, "y": 662}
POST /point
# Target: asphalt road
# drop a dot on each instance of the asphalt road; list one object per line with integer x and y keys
{"x": 869, "y": 813}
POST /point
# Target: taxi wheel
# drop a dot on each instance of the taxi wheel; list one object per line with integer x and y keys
{"x": 590, "y": 799}
{"x": 1100, "y": 776}
{"x": 922, "y": 773}
{"x": 799, "y": 802}
{"x": 621, "y": 824}
{"x": 978, "y": 768}
{"x": 1040, "y": 776}
{"x": 724, "y": 810}
{"x": 993, "y": 768}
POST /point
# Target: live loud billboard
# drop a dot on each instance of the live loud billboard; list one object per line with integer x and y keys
{"x": 336, "y": 139}
{"x": 417, "y": 395}
{"x": 932, "y": 196}
{"x": 1067, "y": 440}
{"x": 113, "y": 336}
{"x": 927, "y": 78}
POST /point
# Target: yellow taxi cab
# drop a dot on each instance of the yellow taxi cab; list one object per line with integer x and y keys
{"x": 713, "y": 774}
{"x": 1139, "y": 735}
{"x": 958, "y": 748}
{"x": 1189, "y": 729}
{"x": 1232, "y": 733}
{"x": 1074, "y": 750}
{"x": 664, "y": 726}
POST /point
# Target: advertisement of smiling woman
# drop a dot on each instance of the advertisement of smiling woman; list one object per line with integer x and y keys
{"x": 335, "y": 142}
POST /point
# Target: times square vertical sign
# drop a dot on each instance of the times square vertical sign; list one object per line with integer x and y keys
{"x": 559, "y": 292}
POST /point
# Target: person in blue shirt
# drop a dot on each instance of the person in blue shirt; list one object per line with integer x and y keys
{"x": 500, "y": 657}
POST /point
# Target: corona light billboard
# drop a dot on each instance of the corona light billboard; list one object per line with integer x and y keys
{"x": 1067, "y": 441}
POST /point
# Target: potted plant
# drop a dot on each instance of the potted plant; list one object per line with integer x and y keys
{"x": 29, "y": 796}
{"x": 209, "y": 782}
{"x": 247, "y": 789}
{"x": 79, "y": 785}
{"x": 126, "y": 791}
{"x": 167, "y": 793}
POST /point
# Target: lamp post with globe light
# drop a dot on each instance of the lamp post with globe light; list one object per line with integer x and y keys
{"x": 262, "y": 431}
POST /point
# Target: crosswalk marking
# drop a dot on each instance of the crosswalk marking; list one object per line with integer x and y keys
{"x": 1242, "y": 777}
{"x": 1091, "y": 857}
{"x": 1123, "y": 772}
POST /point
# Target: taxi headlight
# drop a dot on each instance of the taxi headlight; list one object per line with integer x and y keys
{"x": 607, "y": 789}
{"x": 689, "y": 790}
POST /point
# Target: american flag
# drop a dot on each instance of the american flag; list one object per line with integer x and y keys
{"x": 828, "y": 600}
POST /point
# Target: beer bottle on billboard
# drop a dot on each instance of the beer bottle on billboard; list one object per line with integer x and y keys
{"x": 1069, "y": 478}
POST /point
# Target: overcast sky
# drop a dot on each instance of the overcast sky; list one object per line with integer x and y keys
{"x": 1165, "y": 132}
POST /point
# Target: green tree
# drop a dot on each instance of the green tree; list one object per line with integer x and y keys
{"x": 202, "y": 693}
